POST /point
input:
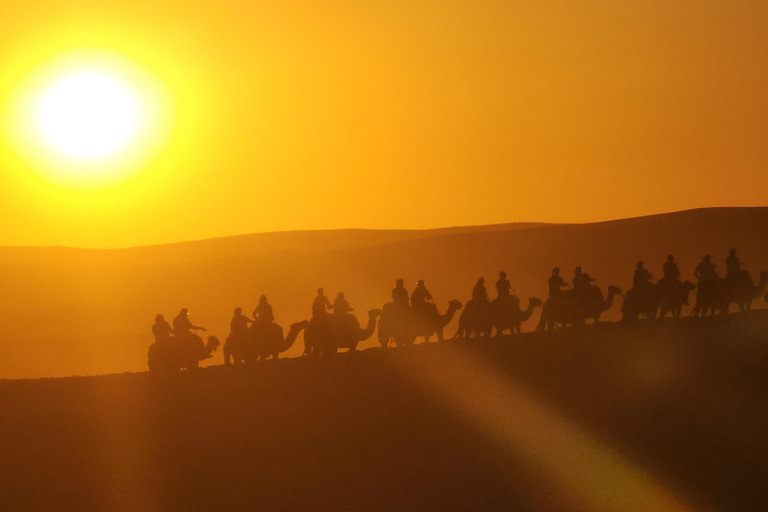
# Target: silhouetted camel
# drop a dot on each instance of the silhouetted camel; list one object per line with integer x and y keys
{"x": 575, "y": 307}
{"x": 720, "y": 293}
{"x": 263, "y": 339}
{"x": 476, "y": 320}
{"x": 328, "y": 333}
{"x": 506, "y": 313}
{"x": 656, "y": 299}
{"x": 403, "y": 324}
{"x": 177, "y": 353}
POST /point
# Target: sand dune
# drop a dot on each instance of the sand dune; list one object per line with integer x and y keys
{"x": 78, "y": 311}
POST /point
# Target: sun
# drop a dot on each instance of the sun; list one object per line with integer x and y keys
{"x": 89, "y": 118}
{"x": 88, "y": 114}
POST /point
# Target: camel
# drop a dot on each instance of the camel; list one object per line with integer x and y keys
{"x": 327, "y": 333}
{"x": 671, "y": 300}
{"x": 717, "y": 295}
{"x": 476, "y": 320}
{"x": 508, "y": 315}
{"x": 177, "y": 353}
{"x": 264, "y": 339}
{"x": 572, "y": 309}
{"x": 403, "y": 324}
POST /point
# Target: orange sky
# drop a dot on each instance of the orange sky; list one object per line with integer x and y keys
{"x": 308, "y": 115}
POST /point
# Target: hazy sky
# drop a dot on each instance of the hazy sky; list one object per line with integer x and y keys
{"x": 334, "y": 114}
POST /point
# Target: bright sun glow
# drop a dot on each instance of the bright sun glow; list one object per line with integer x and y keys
{"x": 88, "y": 115}
{"x": 89, "y": 118}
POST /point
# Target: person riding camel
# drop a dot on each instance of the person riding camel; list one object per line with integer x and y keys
{"x": 263, "y": 311}
{"x": 400, "y": 294}
{"x": 479, "y": 293}
{"x": 671, "y": 270}
{"x": 581, "y": 280}
{"x": 642, "y": 277}
{"x": 182, "y": 327}
{"x": 503, "y": 287}
{"x": 161, "y": 330}
{"x": 321, "y": 304}
{"x": 556, "y": 283}
{"x": 420, "y": 296}
{"x": 341, "y": 306}
{"x": 238, "y": 326}
{"x": 732, "y": 266}
{"x": 705, "y": 270}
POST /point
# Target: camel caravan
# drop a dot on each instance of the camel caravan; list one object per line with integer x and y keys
{"x": 405, "y": 319}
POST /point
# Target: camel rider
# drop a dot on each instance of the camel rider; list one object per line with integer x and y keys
{"x": 705, "y": 270}
{"x": 671, "y": 271}
{"x": 400, "y": 294}
{"x": 420, "y": 296}
{"x": 238, "y": 326}
{"x": 556, "y": 283}
{"x": 182, "y": 327}
{"x": 321, "y": 304}
{"x": 581, "y": 279}
{"x": 340, "y": 305}
{"x": 161, "y": 329}
{"x": 479, "y": 293}
{"x": 732, "y": 266}
{"x": 263, "y": 310}
{"x": 503, "y": 286}
{"x": 642, "y": 277}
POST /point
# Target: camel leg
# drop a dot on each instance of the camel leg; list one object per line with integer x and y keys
{"x": 227, "y": 355}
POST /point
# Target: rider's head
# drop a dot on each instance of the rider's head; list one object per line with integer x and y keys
{"x": 481, "y": 280}
{"x": 238, "y": 311}
{"x": 183, "y": 312}
{"x": 732, "y": 252}
{"x": 640, "y": 264}
{"x": 578, "y": 269}
{"x": 420, "y": 282}
{"x": 263, "y": 299}
{"x": 670, "y": 258}
{"x": 502, "y": 274}
{"x": 320, "y": 291}
{"x": 400, "y": 282}
{"x": 706, "y": 258}
{"x": 159, "y": 318}
{"x": 556, "y": 271}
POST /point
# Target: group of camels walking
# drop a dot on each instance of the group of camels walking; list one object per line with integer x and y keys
{"x": 405, "y": 319}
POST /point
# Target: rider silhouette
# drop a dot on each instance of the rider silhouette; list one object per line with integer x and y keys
{"x": 340, "y": 305}
{"x": 182, "y": 327}
{"x": 479, "y": 293}
{"x": 420, "y": 296}
{"x": 399, "y": 293}
{"x": 503, "y": 286}
{"x": 161, "y": 330}
{"x": 705, "y": 270}
{"x": 263, "y": 310}
{"x": 671, "y": 271}
{"x": 556, "y": 283}
{"x": 732, "y": 266}
{"x": 238, "y": 326}
{"x": 642, "y": 277}
{"x": 581, "y": 279}
{"x": 320, "y": 305}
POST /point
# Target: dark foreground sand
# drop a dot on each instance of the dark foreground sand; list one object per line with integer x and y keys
{"x": 655, "y": 417}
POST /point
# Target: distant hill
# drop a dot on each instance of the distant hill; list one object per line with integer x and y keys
{"x": 80, "y": 311}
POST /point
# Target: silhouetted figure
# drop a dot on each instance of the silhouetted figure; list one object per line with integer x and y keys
{"x": 705, "y": 270}
{"x": 503, "y": 287}
{"x": 340, "y": 305}
{"x": 238, "y": 326}
{"x": 320, "y": 305}
{"x": 642, "y": 277}
{"x": 671, "y": 271}
{"x": 161, "y": 329}
{"x": 420, "y": 296}
{"x": 556, "y": 283}
{"x": 182, "y": 327}
{"x": 732, "y": 266}
{"x": 581, "y": 280}
{"x": 479, "y": 293}
{"x": 399, "y": 293}
{"x": 263, "y": 310}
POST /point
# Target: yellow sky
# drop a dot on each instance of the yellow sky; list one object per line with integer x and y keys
{"x": 309, "y": 115}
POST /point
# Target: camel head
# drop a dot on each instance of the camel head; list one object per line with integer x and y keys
{"x": 614, "y": 290}
{"x": 213, "y": 343}
{"x": 689, "y": 286}
{"x": 300, "y": 325}
{"x": 454, "y": 304}
{"x": 374, "y": 313}
{"x": 533, "y": 302}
